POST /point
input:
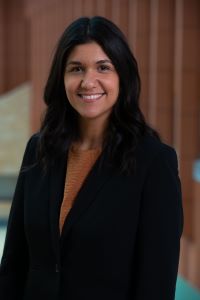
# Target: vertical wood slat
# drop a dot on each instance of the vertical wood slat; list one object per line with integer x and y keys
{"x": 165, "y": 69}
{"x": 178, "y": 59}
{"x": 88, "y": 8}
{"x": 119, "y": 12}
{"x": 153, "y": 55}
{"x": 115, "y": 11}
{"x": 178, "y": 69}
{"x": 161, "y": 50}
{"x": 2, "y": 46}
{"x": 14, "y": 49}
{"x": 77, "y": 9}
{"x": 142, "y": 50}
{"x": 15, "y": 45}
{"x": 132, "y": 23}
{"x": 100, "y": 7}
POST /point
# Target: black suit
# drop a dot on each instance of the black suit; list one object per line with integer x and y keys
{"x": 120, "y": 240}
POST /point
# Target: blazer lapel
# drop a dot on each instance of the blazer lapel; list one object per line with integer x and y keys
{"x": 92, "y": 185}
{"x": 56, "y": 190}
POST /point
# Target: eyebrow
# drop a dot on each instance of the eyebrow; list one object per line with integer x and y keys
{"x": 102, "y": 61}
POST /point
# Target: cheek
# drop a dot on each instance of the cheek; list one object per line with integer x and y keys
{"x": 68, "y": 92}
{"x": 69, "y": 88}
{"x": 115, "y": 86}
{"x": 110, "y": 84}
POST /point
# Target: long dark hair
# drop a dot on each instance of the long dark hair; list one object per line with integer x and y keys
{"x": 126, "y": 125}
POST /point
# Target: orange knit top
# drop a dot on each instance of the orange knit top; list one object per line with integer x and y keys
{"x": 79, "y": 165}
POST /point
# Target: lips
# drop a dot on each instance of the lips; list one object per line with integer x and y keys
{"x": 90, "y": 97}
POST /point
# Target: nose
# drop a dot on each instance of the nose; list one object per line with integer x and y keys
{"x": 89, "y": 80}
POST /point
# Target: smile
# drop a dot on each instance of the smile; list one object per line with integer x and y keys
{"x": 91, "y": 97}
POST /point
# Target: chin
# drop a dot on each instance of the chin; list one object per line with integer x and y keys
{"x": 89, "y": 115}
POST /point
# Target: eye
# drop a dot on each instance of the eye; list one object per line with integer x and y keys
{"x": 75, "y": 69}
{"x": 104, "y": 68}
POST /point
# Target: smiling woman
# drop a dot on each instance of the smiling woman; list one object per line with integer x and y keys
{"x": 97, "y": 211}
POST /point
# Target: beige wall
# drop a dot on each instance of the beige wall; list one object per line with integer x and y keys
{"x": 14, "y": 128}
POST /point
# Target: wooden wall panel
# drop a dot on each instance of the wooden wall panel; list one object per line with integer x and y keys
{"x": 14, "y": 45}
{"x": 186, "y": 101}
{"x": 132, "y": 16}
{"x": 88, "y": 8}
{"x": 119, "y": 14}
{"x": 2, "y": 46}
{"x": 186, "y": 120}
{"x": 53, "y": 20}
{"x": 17, "y": 41}
{"x": 142, "y": 48}
{"x": 160, "y": 110}
{"x": 77, "y": 8}
{"x": 34, "y": 7}
{"x": 103, "y": 8}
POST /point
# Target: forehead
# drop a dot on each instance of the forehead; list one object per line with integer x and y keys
{"x": 87, "y": 52}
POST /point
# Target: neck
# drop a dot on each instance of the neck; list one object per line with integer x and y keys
{"x": 91, "y": 134}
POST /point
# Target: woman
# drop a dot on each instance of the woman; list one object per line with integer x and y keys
{"x": 97, "y": 209}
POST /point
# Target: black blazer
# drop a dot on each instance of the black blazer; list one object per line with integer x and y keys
{"x": 120, "y": 240}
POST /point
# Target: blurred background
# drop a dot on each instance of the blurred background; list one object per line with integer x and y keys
{"x": 165, "y": 38}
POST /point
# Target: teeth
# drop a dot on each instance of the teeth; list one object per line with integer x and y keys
{"x": 91, "y": 97}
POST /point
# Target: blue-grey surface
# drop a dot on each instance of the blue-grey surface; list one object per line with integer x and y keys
{"x": 7, "y": 186}
{"x": 196, "y": 170}
{"x": 184, "y": 291}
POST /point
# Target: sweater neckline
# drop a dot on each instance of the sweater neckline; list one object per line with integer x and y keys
{"x": 85, "y": 151}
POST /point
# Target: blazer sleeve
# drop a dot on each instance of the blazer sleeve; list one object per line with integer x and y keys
{"x": 160, "y": 229}
{"x": 14, "y": 263}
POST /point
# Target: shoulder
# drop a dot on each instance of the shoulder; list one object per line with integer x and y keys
{"x": 33, "y": 141}
{"x": 30, "y": 153}
{"x": 151, "y": 146}
{"x": 150, "y": 151}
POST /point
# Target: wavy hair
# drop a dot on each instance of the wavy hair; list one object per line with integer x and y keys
{"x": 126, "y": 124}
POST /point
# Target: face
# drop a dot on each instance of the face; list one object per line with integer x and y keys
{"x": 91, "y": 82}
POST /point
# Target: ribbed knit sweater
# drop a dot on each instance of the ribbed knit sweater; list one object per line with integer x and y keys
{"x": 79, "y": 165}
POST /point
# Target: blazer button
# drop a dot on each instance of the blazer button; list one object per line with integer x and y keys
{"x": 57, "y": 268}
